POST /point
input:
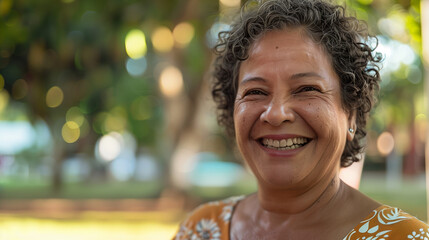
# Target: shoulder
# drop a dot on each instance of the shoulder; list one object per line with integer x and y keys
{"x": 402, "y": 224}
{"x": 209, "y": 219}
{"x": 390, "y": 223}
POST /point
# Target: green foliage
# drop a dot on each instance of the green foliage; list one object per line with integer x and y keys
{"x": 79, "y": 46}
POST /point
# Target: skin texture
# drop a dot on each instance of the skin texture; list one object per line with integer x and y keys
{"x": 288, "y": 88}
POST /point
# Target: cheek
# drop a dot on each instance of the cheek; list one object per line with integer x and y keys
{"x": 313, "y": 114}
{"x": 244, "y": 116}
{"x": 322, "y": 118}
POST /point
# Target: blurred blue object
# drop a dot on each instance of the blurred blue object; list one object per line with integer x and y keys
{"x": 209, "y": 171}
{"x": 15, "y": 136}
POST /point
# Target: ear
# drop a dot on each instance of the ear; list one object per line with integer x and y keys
{"x": 351, "y": 130}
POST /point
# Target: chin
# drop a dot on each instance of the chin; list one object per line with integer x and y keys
{"x": 280, "y": 181}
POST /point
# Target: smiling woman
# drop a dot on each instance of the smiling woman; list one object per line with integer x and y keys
{"x": 294, "y": 82}
{"x": 298, "y": 97}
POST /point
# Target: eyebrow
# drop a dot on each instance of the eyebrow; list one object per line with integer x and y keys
{"x": 293, "y": 77}
{"x": 253, "y": 79}
{"x": 305, "y": 75}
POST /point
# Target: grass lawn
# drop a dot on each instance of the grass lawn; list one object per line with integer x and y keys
{"x": 109, "y": 190}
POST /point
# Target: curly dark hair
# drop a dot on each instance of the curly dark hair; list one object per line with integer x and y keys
{"x": 344, "y": 38}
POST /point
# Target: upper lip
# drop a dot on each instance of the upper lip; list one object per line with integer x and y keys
{"x": 281, "y": 136}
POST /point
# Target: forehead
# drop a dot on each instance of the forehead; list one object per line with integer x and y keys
{"x": 286, "y": 52}
{"x": 287, "y": 41}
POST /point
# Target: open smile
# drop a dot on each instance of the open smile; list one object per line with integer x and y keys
{"x": 284, "y": 144}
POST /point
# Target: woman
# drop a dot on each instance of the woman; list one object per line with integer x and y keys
{"x": 294, "y": 83}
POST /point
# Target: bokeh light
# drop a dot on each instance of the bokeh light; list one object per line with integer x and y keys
{"x": 1, "y": 82}
{"x": 230, "y": 3}
{"x": 162, "y": 39}
{"x": 385, "y": 143}
{"x": 4, "y": 100}
{"x": 114, "y": 123}
{"x": 70, "y": 132}
{"x": 136, "y": 67}
{"x": 109, "y": 146}
{"x": 135, "y": 44}
{"x": 116, "y": 120}
{"x": 5, "y": 6}
{"x": 421, "y": 124}
{"x": 171, "y": 81}
{"x": 210, "y": 171}
{"x": 213, "y": 32}
{"x": 54, "y": 97}
{"x": 402, "y": 140}
{"x": 393, "y": 26}
{"x": 425, "y": 30}
{"x": 19, "y": 89}
{"x": 365, "y": 2}
{"x": 413, "y": 74}
{"x": 74, "y": 114}
{"x": 398, "y": 59}
{"x": 183, "y": 34}
{"x": 17, "y": 136}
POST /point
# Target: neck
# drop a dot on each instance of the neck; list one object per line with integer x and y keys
{"x": 282, "y": 206}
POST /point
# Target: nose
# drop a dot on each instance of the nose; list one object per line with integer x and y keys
{"x": 278, "y": 112}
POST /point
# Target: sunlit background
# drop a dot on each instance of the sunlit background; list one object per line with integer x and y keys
{"x": 107, "y": 130}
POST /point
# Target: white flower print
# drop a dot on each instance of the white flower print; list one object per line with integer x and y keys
{"x": 390, "y": 216}
{"x": 379, "y": 236}
{"x": 424, "y": 234}
{"x": 414, "y": 235}
{"x": 227, "y": 213}
{"x": 389, "y": 222}
{"x": 419, "y": 235}
{"x": 365, "y": 228}
{"x": 207, "y": 229}
{"x": 184, "y": 233}
{"x": 373, "y": 228}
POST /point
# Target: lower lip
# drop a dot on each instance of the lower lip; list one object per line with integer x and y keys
{"x": 281, "y": 153}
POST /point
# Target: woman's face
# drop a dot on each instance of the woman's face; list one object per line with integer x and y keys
{"x": 290, "y": 125}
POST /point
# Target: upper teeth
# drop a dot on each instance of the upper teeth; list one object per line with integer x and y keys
{"x": 284, "y": 142}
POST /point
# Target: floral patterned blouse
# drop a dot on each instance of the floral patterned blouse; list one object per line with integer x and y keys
{"x": 211, "y": 221}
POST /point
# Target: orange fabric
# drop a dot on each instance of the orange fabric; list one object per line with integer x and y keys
{"x": 389, "y": 223}
{"x": 211, "y": 221}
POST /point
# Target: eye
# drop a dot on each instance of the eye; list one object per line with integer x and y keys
{"x": 254, "y": 92}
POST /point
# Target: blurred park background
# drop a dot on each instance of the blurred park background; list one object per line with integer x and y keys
{"x": 107, "y": 130}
